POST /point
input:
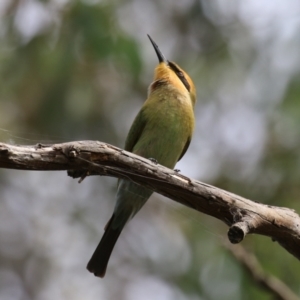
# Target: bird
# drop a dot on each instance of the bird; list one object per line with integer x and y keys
{"x": 162, "y": 130}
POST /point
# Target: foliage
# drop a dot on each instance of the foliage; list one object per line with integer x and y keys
{"x": 74, "y": 70}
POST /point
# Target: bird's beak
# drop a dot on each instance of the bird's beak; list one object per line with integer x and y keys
{"x": 160, "y": 56}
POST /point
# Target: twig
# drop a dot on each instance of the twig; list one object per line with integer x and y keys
{"x": 270, "y": 283}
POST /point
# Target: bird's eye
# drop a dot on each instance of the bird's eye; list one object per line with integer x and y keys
{"x": 180, "y": 75}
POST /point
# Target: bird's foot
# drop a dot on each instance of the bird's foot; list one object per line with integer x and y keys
{"x": 177, "y": 170}
{"x": 153, "y": 160}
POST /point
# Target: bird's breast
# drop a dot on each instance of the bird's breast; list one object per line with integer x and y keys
{"x": 169, "y": 125}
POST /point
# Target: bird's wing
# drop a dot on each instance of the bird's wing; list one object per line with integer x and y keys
{"x": 186, "y": 146}
{"x": 135, "y": 131}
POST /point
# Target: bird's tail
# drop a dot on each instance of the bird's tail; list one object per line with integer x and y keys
{"x": 100, "y": 258}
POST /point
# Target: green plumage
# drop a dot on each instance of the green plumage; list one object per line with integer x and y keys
{"x": 162, "y": 130}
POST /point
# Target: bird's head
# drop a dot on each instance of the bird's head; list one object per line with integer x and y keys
{"x": 168, "y": 72}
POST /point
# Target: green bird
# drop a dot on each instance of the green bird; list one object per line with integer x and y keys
{"x": 162, "y": 130}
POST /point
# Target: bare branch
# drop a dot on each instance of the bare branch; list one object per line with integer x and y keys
{"x": 86, "y": 158}
{"x": 270, "y": 283}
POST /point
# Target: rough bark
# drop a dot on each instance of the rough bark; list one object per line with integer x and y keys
{"x": 85, "y": 158}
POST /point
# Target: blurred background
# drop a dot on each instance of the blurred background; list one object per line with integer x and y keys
{"x": 79, "y": 70}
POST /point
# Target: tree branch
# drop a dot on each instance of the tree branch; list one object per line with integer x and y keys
{"x": 268, "y": 282}
{"x": 86, "y": 158}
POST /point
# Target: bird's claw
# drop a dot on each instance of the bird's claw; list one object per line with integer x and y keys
{"x": 153, "y": 160}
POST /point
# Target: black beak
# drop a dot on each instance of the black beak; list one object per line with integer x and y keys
{"x": 160, "y": 56}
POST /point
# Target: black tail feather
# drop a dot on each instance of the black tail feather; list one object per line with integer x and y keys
{"x": 99, "y": 260}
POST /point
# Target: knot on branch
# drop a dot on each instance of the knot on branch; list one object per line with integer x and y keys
{"x": 68, "y": 150}
{"x": 238, "y": 231}
{"x": 243, "y": 222}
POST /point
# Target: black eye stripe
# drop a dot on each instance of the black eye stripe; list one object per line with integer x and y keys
{"x": 185, "y": 82}
{"x": 180, "y": 75}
